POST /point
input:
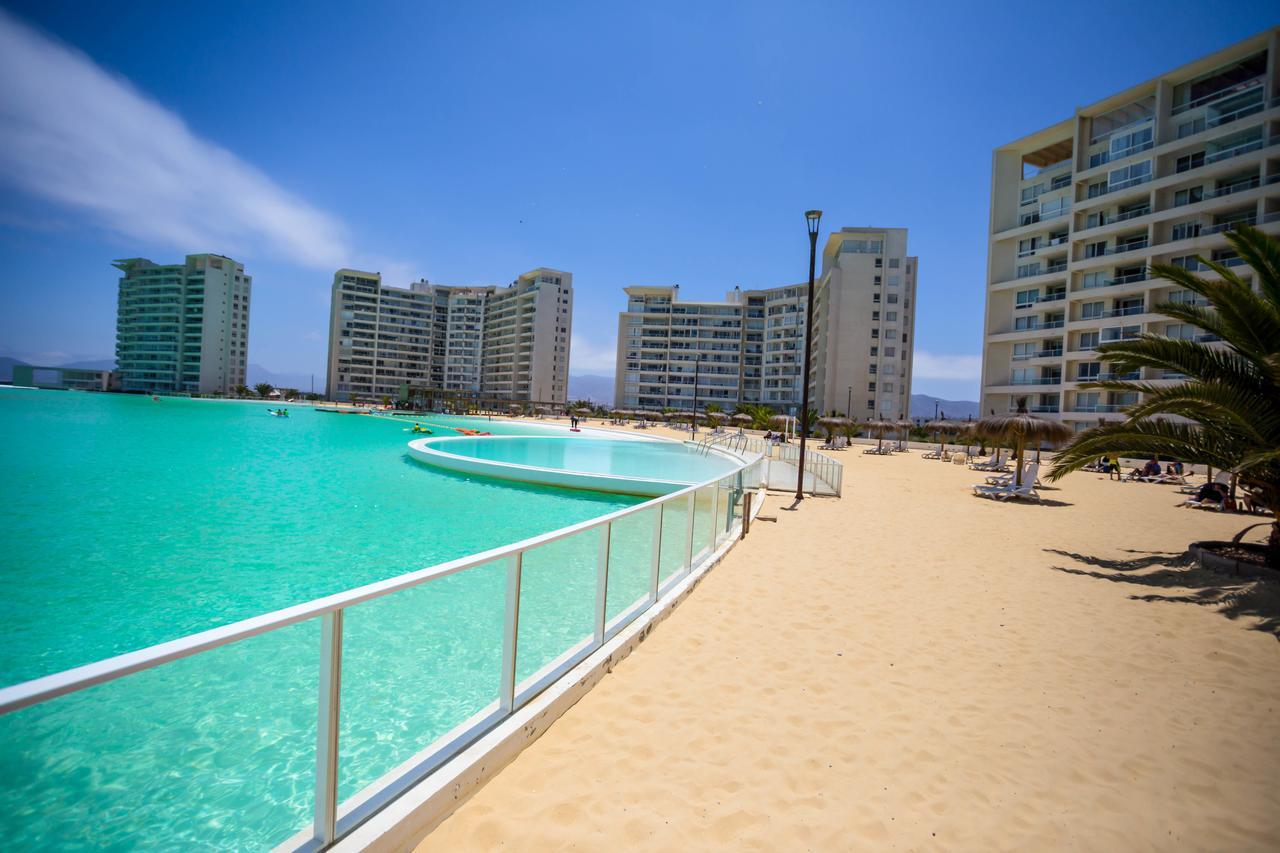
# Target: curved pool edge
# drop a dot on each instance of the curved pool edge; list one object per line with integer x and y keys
{"x": 426, "y": 451}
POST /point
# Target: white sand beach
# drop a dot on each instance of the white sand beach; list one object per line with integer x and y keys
{"x": 911, "y": 667}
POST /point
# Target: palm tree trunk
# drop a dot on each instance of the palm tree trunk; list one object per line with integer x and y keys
{"x": 1017, "y": 473}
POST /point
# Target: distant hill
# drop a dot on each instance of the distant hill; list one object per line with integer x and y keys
{"x": 922, "y": 406}
{"x": 597, "y": 389}
{"x": 6, "y": 367}
{"x": 256, "y": 373}
{"x": 93, "y": 364}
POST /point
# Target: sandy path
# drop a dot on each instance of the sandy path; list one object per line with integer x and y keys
{"x": 910, "y": 667}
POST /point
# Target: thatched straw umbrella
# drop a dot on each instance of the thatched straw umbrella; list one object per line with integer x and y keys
{"x": 904, "y": 430}
{"x": 941, "y": 428}
{"x": 1019, "y": 429}
{"x": 742, "y": 418}
{"x": 780, "y": 422}
{"x": 879, "y": 429}
{"x": 831, "y": 424}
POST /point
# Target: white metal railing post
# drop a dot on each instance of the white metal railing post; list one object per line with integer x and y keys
{"x": 655, "y": 566}
{"x": 688, "y": 532}
{"x": 510, "y": 634}
{"x": 715, "y": 515}
{"x": 602, "y": 581}
{"x": 325, "y": 825}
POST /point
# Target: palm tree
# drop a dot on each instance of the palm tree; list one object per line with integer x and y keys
{"x": 263, "y": 388}
{"x": 1229, "y": 405}
{"x": 242, "y": 390}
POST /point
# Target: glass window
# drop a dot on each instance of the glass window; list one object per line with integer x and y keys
{"x": 1027, "y": 297}
{"x": 893, "y": 263}
{"x": 1091, "y": 310}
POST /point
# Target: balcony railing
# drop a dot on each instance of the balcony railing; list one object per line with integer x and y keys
{"x": 1109, "y": 377}
{"x": 1234, "y": 89}
{"x": 1033, "y": 218}
{"x": 1234, "y": 151}
{"x": 1222, "y": 227}
{"x": 1037, "y": 380}
{"x": 1121, "y": 312}
{"x": 1044, "y": 353}
{"x": 1042, "y": 410}
{"x": 1100, "y": 407}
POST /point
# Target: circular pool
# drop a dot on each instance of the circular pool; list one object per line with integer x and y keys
{"x": 626, "y": 466}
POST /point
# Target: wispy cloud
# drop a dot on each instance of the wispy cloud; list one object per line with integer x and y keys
{"x": 590, "y": 357}
{"x": 76, "y": 134}
{"x": 928, "y": 365}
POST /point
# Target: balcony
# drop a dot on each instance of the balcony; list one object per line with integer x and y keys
{"x": 1042, "y": 410}
{"x": 1099, "y": 407}
{"x": 1038, "y": 380}
{"x": 1044, "y": 353}
{"x": 1109, "y": 377}
{"x": 1120, "y": 312}
{"x": 1222, "y": 227}
{"x": 1238, "y": 150}
{"x": 1117, "y": 281}
{"x": 1033, "y": 218}
{"x": 1221, "y": 94}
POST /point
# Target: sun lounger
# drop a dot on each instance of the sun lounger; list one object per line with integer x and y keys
{"x": 1003, "y": 493}
{"x": 1167, "y": 479}
{"x": 931, "y": 454}
{"x": 1029, "y": 474}
{"x": 995, "y": 463}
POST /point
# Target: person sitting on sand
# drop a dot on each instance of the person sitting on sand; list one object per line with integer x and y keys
{"x": 1152, "y": 468}
{"x": 768, "y": 436}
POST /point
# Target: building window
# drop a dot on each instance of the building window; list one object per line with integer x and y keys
{"x": 894, "y": 263}
{"x": 871, "y": 387}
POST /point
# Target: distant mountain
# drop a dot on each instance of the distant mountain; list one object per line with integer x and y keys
{"x": 597, "y": 389}
{"x": 922, "y": 406}
{"x": 6, "y": 367}
{"x": 93, "y": 364}
{"x": 256, "y": 373}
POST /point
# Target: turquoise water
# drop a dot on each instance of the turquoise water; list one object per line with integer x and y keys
{"x": 128, "y": 522}
{"x": 650, "y": 459}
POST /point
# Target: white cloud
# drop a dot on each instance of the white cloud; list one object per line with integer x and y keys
{"x": 82, "y": 137}
{"x": 928, "y": 365}
{"x": 589, "y": 357}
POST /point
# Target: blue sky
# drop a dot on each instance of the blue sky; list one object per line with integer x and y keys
{"x": 643, "y": 143}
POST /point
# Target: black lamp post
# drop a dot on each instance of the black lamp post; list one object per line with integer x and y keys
{"x": 848, "y": 407}
{"x": 811, "y": 218}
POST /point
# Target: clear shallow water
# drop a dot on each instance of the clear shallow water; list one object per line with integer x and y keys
{"x": 128, "y": 522}
{"x": 650, "y": 459}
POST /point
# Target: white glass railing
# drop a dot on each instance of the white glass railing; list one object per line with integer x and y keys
{"x": 552, "y": 601}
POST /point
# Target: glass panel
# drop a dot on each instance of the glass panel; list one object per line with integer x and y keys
{"x": 703, "y": 523}
{"x": 674, "y": 537}
{"x": 212, "y": 751}
{"x": 557, "y": 601}
{"x": 630, "y": 561}
{"x": 417, "y": 664}
{"x": 730, "y": 505}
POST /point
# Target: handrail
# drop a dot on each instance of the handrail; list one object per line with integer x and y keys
{"x": 329, "y": 824}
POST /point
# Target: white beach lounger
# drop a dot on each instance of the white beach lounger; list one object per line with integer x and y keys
{"x": 1029, "y": 474}
{"x": 1004, "y": 493}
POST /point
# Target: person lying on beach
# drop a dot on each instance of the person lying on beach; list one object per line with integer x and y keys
{"x": 1152, "y": 468}
{"x": 1212, "y": 493}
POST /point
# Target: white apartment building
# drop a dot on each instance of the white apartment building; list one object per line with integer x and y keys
{"x": 493, "y": 343}
{"x": 1155, "y": 174}
{"x": 182, "y": 328}
{"x": 749, "y": 348}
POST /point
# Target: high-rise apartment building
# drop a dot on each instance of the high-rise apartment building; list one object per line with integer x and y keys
{"x": 749, "y": 348}
{"x": 1155, "y": 174}
{"x": 496, "y": 343}
{"x": 182, "y": 328}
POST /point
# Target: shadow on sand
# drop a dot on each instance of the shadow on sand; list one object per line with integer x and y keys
{"x": 1187, "y": 584}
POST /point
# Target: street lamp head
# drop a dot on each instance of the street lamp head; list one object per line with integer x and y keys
{"x": 812, "y": 218}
